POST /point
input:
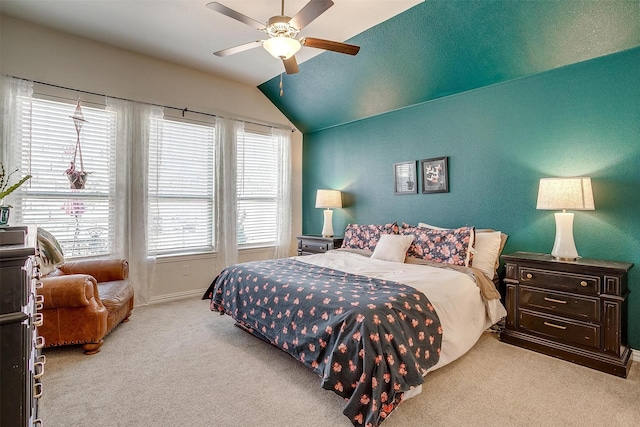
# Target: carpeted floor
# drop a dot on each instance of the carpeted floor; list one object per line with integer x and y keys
{"x": 179, "y": 364}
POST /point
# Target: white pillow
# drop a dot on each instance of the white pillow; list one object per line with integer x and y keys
{"x": 392, "y": 247}
{"x": 488, "y": 245}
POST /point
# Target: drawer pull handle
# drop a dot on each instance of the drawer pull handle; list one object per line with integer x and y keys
{"x": 583, "y": 283}
{"x": 38, "y": 369}
{"x": 559, "y": 301}
{"x": 38, "y": 319}
{"x": 529, "y": 276}
{"x": 555, "y": 326}
{"x": 37, "y": 390}
{"x": 39, "y": 342}
{"x": 39, "y": 285}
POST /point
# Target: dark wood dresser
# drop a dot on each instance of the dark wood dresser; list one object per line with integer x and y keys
{"x": 573, "y": 310}
{"x": 309, "y": 244}
{"x": 21, "y": 364}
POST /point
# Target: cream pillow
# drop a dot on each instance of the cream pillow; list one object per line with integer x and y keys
{"x": 392, "y": 247}
{"x": 488, "y": 248}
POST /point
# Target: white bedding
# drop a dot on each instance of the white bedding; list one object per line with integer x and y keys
{"x": 463, "y": 313}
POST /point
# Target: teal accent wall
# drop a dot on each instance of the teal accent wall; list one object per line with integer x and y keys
{"x": 578, "y": 120}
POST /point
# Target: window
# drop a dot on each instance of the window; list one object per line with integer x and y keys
{"x": 257, "y": 176}
{"x": 181, "y": 188}
{"x": 81, "y": 220}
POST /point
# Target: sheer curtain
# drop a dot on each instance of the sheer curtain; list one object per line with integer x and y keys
{"x": 283, "y": 210}
{"x": 12, "y": 91}
{"x": 136, "y": 124}
{"x": 226, "y": 191}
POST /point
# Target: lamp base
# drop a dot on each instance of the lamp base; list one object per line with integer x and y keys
{"x": 564, "y": 247}
{"x": 327, "y": 228}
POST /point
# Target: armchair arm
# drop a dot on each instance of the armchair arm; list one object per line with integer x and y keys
{"x": 77, "y": 290}
{"x": 104, "y": 270}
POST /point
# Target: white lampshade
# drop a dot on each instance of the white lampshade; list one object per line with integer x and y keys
{"x": 282, "y": 47}
{"x": 565, "y": 193}
{"x": 328, "y": 199}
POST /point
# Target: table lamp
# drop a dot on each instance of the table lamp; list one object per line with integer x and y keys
{"x": 565, "y": 193}
{"x": 328, "y": 199}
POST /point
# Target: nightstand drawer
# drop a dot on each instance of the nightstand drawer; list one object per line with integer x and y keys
{"x": 313, "y": 247}
{"x": 561, "y": 304}
{"x": 316, "y": 244}
{"x": 552, "y": 327}
{"x": 560, "y": 281}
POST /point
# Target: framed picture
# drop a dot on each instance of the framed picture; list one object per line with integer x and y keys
{"x": 405, "y": 178}
{"x": 435, "y": 175}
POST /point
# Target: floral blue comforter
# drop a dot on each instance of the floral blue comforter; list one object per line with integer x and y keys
{"x": 369, "y": 340}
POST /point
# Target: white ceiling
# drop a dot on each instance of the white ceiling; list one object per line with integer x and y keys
{"x": 186, "y": 32}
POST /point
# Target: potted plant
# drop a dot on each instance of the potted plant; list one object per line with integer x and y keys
{"x": 5, "y": 190}
{"x": 77, "y": 177}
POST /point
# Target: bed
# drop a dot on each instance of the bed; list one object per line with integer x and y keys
{"x": 369, "y": 326}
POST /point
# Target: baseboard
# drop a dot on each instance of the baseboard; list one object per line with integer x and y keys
{"x": 176, "y": 296}
{"x": 635, "y": 355}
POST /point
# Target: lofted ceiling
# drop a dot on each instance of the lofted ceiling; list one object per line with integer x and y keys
{"x": 411, "y": 52}
{"x": 187, "y": 32}
{"x": 444, "y": 47}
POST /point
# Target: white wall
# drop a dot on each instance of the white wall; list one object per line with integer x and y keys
{"x": 37, "y": 53}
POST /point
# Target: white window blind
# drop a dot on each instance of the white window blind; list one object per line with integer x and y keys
{"x": 181, "y": 188}
{"x": 257, "y": 176}
{"x": 81, "y": 220}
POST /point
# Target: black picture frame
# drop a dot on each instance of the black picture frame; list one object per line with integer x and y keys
{"x": 405, "y": 178}
{"x": 435, "y": 175}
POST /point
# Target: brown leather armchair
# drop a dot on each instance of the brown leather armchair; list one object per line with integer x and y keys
{"x": 83, "y": 301}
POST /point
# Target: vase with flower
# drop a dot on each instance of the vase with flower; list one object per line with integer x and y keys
{"x": 5, "y": 190}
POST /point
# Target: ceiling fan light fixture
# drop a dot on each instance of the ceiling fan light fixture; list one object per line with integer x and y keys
{"x": 282, "y": 47}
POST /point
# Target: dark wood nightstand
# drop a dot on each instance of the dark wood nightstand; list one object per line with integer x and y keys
{"x": 573, "y": 310}
{"x": 316, "y": 244}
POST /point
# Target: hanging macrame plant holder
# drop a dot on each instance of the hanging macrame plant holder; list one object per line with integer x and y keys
{"x": 77, "y": 177}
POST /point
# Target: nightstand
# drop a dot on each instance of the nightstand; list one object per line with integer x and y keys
{"x": 316, "y": 244}
{"x": 573, "y": 310}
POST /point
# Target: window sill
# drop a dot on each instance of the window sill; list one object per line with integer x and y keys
{"x": 208, "y": 255}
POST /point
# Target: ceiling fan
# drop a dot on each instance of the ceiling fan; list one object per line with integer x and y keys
{"x": 282, "y": 31}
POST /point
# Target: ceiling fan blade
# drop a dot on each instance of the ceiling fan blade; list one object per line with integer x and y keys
{"x": 290, "y": 65}
{"x": 238, "y": 49}
{"x": 309, "y": 12}
{"x": 349, "y": 49}
{"x": 235, "y": 15}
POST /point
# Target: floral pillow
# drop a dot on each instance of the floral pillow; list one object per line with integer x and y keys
{"x": 448, "y": 246}
{"x": 357, "y": 236}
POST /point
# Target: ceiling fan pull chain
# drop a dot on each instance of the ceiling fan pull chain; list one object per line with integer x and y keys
{"x": 281, "y": 91}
